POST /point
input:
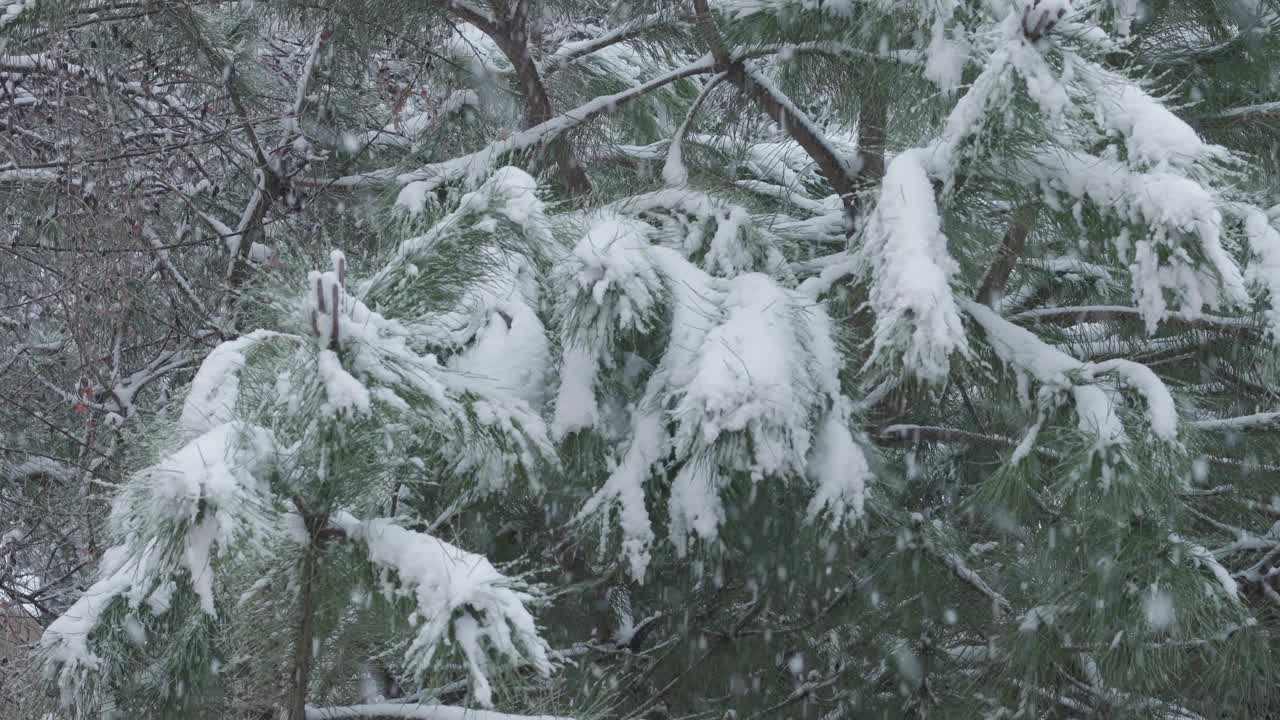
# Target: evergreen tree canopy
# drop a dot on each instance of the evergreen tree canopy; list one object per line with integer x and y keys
{"x": 660, "y": 358}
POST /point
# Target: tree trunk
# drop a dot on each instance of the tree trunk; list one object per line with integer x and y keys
{"x": 306, "y": 632}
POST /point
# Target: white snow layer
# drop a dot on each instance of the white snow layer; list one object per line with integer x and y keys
{"x": 1264, "y": 271}
{"x": 207, "y": 485}
{"x": 576, "y": 407}
{"x": 208, "y": 488}
{"x": 1173, "y": 207}
{"x": 69, "y": 658}
{"x": 455, "y": 591}
{"x": 839, "y": 469}
{"x": 415, "y": 712}
{"x": 911, "y": 271}
{"x": 1028, "y": 355}
{"x": 746, "y": 360}
{"x": 215, "y": 388}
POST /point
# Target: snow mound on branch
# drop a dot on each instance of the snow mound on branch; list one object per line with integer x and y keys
{"x": 216, "y": 386}
{"x": 748, "y": 376}
{"x": 343, "y": 393}
{"x": 1154, "y": 136}
{"x": 468, "y": 43}
{"x": 1028, "y": 355}
{"x": 1161, "y": 411}
{"x": 206, "y": 492}
{"x": 483, "y": 393}
{"x": 840, "y": 472}
{"x": 745, "y": 374}
{"x": 68, "y": 656}
{"x": 208, "y": 486}
{"x": 454, "y": 590}
{"x": 508, "y": 194}
{"x": 1175, "y": 210}
{"x": 491, "y": 339}
{"x": 511, "y": 353}
{"x": 612, "y": 266}
{"x": 10, "y": 10}
{"x": 1096, "y": 408}
{"x": 911, "y": 271}
{"x": 1264, "y": 271}
{"x": 576, "y": 406}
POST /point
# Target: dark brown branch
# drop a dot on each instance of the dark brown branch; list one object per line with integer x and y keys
{"x": 302, "y": 650}
{"x": 872, "y": 118}
{"x": 511, "y": 35}
{"x": 783, "y": 112}
{"x": 318, "y": 533}
{"x": 1011, "y": 248}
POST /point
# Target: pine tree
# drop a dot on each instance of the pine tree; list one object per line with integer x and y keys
{"x": 844, "y": 358}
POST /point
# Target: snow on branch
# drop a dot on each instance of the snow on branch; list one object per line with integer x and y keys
{"x": 674, "y": 172}
{"x": 833, "y": 49}
{"x": 1154, "y": 136}
{"x": 475, "y": 166}
{"x": 1104, "y": 313}
{"x": 1264, "y": 271}
{"x": 365, "y": 359}
{"x": 910, "y": 271}
{"x": 1244, "y": 113}
{"x": 840, "y": 473}
{"x": 1262, "y": 420}
{"x": 415, "y": 712}
{"x": 745, "y": 360}
{"x": 1161, "y": 183}
{"x": 1172, "y": 207}
{"x": 162, "y": 256}
{"x": 214, "y": 390}
{"x": 207, "y": 492}
{"x": 198, "y": 501}
{"x": 1000, "y": 604}
{"x": 571, "y": 51}
{"x": 11, "y": 10}
{"x": 459, "y": 597}
{"x": 25, "y": 176}
{"x": 68, "y": 654}
{"x": 1161, "y": 411}
{"x": 1030, "y": 356}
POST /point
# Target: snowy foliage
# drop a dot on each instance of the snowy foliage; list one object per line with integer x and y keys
{"x": 452, "y": 589}
{"x": 835, "y": 353}
{"x": 749, "y": 365}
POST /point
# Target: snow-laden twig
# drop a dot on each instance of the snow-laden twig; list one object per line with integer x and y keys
{"x": 415, "y": 712}
{"x": 910, "y": 271}
{"x": 475, "y": 166}
{"x": 965, "y": 573}
{"x": 674, "y": 172}
{"x": 1256, "y": 421}
{"x": 1032, "y": 357}
{"x": 21, "y": 176}
{"x": 1259, "y": 111}
{"x": 162, "y": 256}
{"x": 1103, "y": 313}
{"x": 570, "y": 52}
{"x": 457, "y": 593}
{"x": 832, "y": 48}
